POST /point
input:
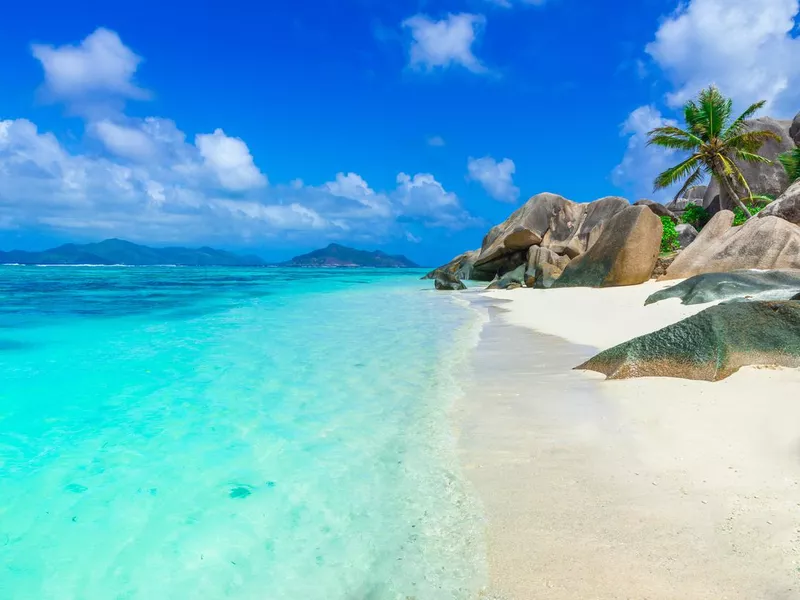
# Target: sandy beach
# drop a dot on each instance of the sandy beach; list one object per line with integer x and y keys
{"x": 648, "y": 488}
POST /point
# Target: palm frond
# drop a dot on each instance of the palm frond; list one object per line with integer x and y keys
{"x": 739, "y": 124}
{"x": 731, "y": 169}
{"x": 716, "y": 109}
{"x": 693, "y": 179}
{"x": 696, "y": 120}
{"x": 751, "y": 157}
{"x": 677, "y": 173}
{"x": 791, "y": 163}
{"x": 677, "y": 132}
{"x": 672, "y": 142}
{"x": 751, "y": 141}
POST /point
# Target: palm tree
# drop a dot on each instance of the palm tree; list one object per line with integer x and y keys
{"x": 715, "y": 143}
{"x": 791, "y": 163}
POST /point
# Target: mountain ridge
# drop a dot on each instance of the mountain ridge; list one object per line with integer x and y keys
{"x": 336, "y": 255}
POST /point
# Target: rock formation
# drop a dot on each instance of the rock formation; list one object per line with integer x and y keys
{"x": 794, "y": 130}
{"x": 511, "y": 279}
{"x": 736, "y": 285}
{"x": 686, "y": 234}
{"x": 710, "y": 345}
{"x": 447, "y": 281}
{"x": 461, "y": 266}
{"x": 659, "y": 209}
{"x": 761, "y": 243}
{"x": 544, "y": 267}
{"x": 624, "y": 254}
{"x": 786, "y": 207}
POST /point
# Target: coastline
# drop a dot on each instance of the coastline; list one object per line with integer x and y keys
{"x": 649, "y": 488}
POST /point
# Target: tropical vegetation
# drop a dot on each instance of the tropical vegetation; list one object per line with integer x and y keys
{"x": 791, "y": 163}
{"x": 669, "y": 239}
{"x": 696, "y": 216}
{"x": 715, "y": 142}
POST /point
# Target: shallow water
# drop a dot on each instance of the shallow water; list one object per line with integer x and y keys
{"x": 232, "y": 433}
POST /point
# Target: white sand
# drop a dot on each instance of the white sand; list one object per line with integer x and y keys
{"x": 650, "y": 488}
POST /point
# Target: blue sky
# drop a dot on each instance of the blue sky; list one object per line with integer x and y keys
{"x": 409, "y": 126}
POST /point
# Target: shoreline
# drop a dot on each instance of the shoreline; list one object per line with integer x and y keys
{"x": 648, "y": 488}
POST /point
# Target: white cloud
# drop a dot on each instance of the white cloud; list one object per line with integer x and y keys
{"x": 746, "y": 47}
{"x": 101, "y": 65}
{"x": 421, "y": 196}
{"x": 497, "y": 178}
{"x": 230, "y": 160}
{"x": 512, "y": 3}
{"x": 436, "y": 141}
{"x": 446, "y": 42}
{"x": 128, "y": 142}
{"x": 642, "y": 163}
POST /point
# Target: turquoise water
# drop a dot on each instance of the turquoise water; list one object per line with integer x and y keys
{"x": 231, "y": 433}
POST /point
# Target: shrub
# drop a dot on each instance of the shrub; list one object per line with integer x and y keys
{"x": 669, "y": 239}
{"x": 696, "y": 216}
{"x": 740, "y": 218}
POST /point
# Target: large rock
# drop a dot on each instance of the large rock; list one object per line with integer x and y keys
{"x": 624, "y": 254}
{"x": 511, "y": 279}
{"x": 461, "y": 266}
{"x": 659, "y": 209}
{"x": 786, "y": 207}
{"x": 544, "y": 267}
{"x": 736, "y": 285}
{"x": 710, "y": 345}
{"x": 686, "y": 234}
{"x": 445, "y": 280}
{"x": 763, "y": 179}
{"x": 766, "y": 243}
{"x": 794, "y": 130}
{"x": 548, "y": 220}
{"x": 694, "y": 195}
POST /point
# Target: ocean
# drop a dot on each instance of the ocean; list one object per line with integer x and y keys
{"x": 189, "y": 433}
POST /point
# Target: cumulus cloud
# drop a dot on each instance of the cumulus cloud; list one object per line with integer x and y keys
{"x": 642, "y": 163}
{"x": 149, "y": 183}
{"x": 444, "y": 43}
{"x": 747, "y": 47}
{"x": 230, "y": 160}
{"x": 497, "y": 178}
{"x": 99, "y": 67}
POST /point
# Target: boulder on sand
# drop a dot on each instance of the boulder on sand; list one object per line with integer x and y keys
{"x": 544, "y": 267}
{"x": 624, "y": 254}
{"x": 511, "y": 279}
{"x": 710, "y": 345}
{"x": 787, "y": 207}
{"x": 461, "y": 266}
{"x": 767, "y": 243}
{"x": 546, "y": 220}
{"x": 445, "y": 280}
{"x": 713, "y": 287}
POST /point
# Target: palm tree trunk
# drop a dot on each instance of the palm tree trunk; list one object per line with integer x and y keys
{"x": 730, "y": 189}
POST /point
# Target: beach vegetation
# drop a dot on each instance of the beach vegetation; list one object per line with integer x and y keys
{"x": 696, "y": 216}
{"x": 669, "y": 239}
{"x": 714, "y": 142}
{"x": 791, "y": 163}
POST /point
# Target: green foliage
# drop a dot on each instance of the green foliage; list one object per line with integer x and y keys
{"x": 791, "y": 162}
{"x": 714, "y": 142}
{"x": 669, "y": 239}
{"x": 696, "y": 216}
{"x": 740, "y": 217}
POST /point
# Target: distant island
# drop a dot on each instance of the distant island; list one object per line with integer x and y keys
{"x": 336, "y": 255}
{"x": 120, "y": 252}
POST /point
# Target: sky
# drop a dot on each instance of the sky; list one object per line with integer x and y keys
{"x": 409, "y": 126}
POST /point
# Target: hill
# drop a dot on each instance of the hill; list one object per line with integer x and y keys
{"x": 120, "y": 252}
{"x": 336, "y": 255}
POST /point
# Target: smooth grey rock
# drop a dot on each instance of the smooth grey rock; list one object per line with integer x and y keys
{"x": 786, "y": 207}
{"x": 764, "y": 179}
{"x": 625, "y": 253}
{"x": 544, "y": 267}
{"x": 694, "y": 195}
{"x": 447, "y": 281}
{"x": 511, "y": 279}
{"x": 461, "y": 266}
{"x": 794, "y": 130}
{"x": 659, "y": 209}
{"x": 736, "y": 285}
{"x": 686, "y": 234}
{"x": 547, "y": 220}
